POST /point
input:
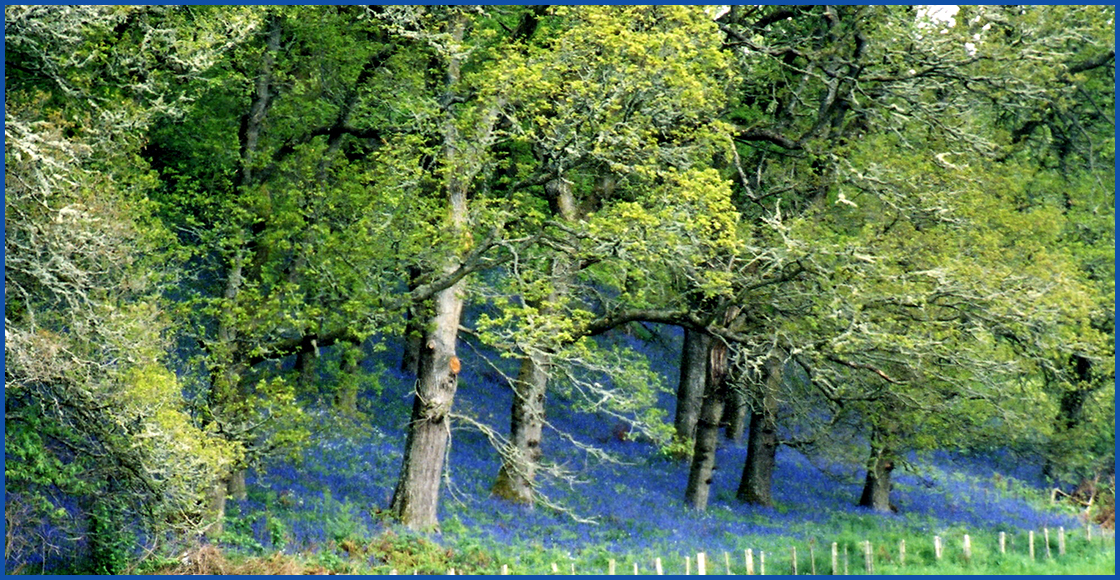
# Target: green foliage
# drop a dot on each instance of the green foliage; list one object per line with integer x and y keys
{"x": 918, "y": 224}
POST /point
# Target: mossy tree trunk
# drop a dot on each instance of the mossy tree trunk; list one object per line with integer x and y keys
{"x": 877, "y": 485}
{"x": 522, "y": 457}
{"x": 690, "y": 389}
{"x": 762, "y": 440}
{"x": 707, "y": 428}
{"x": 519, "y": 464}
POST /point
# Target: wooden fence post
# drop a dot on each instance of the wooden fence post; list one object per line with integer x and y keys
{"x": 687, "y": 565}
{"x": 1003, "y": 542}
{"x": 1061, "y": 540}
{"x": 505, "y": 569}
{"x": 761, "y": 563}
{"x": 867, "y": 563}
{"x": 902, "y": 552}
{"x": 835, "y": 559}
{"x": 937, "y": 547}
{"x": 845, "y": 560}
{"x": 748, "y": 556}
{"x": 727, "y": 562}
{"x": 1046, "y": 539}
{"x": 793, "y": 559}
{"x": 657, "y": 566}
{"x": 610, "y": 567}
{"x": 812, "y": 560}
{"x": 555, "y": 568}
{"x": 701, "y": 564}
{"x": 1030, "y": 540}
{"x": 393, "y": 572}
{"x": 967, "y": 549}
{"x": 635, "y": 568}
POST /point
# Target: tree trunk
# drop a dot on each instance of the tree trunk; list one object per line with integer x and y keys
{"x": 346, "y": 394}
{"x": 236, "y": 486}
{"x": 690, "y": 390}
{"x": 877, "y": 486}
{"x": 227, "y": 389}
{"x": 735, "y": 413}
{"x": 707, "y": 428}
{"x": 216, "y": 507}
{"x": 1070, "y": 408}
{"x": 416, "y": 498}
{"x": 762, "y": 441}
{"x": 515, "y": 479}
{"x": 519, "y": 465}
{"x": 307, "y": 366}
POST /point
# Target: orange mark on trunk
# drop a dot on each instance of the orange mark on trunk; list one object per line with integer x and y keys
{"x": 455, "y": 365}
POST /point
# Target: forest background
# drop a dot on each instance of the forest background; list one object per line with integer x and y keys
{"x": 872, "y": 233}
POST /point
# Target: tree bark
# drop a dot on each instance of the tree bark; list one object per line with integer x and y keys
{"x": 416, "y": 498}
{"x": 877, "y": 485}
{"x": 762, "y": 441}
{"x": 226, "y": 389}
{"x": 690, "y": 390}
{"x": 236, "y": 485}
{"x": 1071, "y": 406}
{"x": 216, "y": 507}
{"x": 307, "y": 365}
{"x": 519, "y": 466}
{"x": 346, "y": 395}
{"x": 707, "y": 428}
{"x": 735, "y": 413}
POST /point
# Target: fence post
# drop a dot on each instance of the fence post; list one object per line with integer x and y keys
{"x": 555, "y": 568}
{"x": 902, "y": 553}
{"x": 1030, "y": 540}
{"x": 505, "y": 569}
{"x": 727, "y": 562}
{"x": 635, "y": 568}
{"x": 657, "y": 566}
{"x": 835, "y": 559}
{"x": 761, "y": 563}
{"x": 937, "y": 547}
{"x": 845, "y": 560}
{"x": 812, "y": 559}
{"x": 793, "y": 559}
{"x": 701, "y": 564}
{"x": 967, "y": 548}
{"x": 748, "y": 555}
{"x": 1046, "y": 538}
{"x": 610, "y": 567}
{"x": 1061, "y": 540}
{"x": 393, "y": 572}
{"x": 687, "y": 565}
{"x": 1003, "y": 542}
{"x": 867, "y": 563}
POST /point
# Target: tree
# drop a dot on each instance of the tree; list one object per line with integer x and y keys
{"x": 601, "y": 124}
{"x": 841, "y": 62}
{"x": 93, "y": 413}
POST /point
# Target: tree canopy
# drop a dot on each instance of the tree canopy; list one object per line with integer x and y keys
{"x": 882, "y": 230}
